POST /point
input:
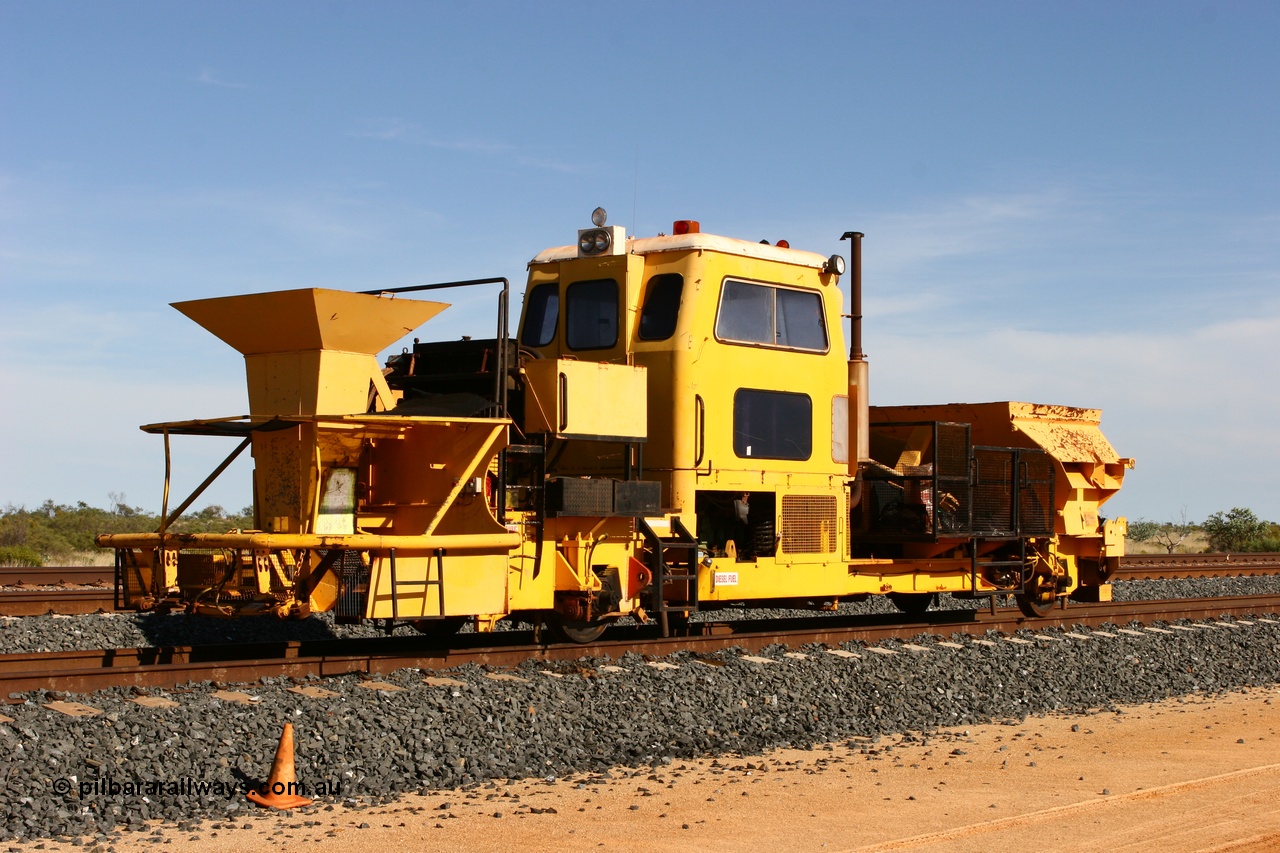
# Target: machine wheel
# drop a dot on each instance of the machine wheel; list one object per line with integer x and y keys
{"x": 913, "y": 603}
{"x": 1041, "y": 592}
{"x": 576, "y": 631}
{"x": 439, "y": 628}
{"x": 1034, "y": 606}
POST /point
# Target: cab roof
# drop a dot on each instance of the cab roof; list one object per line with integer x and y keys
{"x": 704, "y": 242}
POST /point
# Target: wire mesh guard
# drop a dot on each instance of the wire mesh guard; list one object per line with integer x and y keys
{"x": 1012, "y": 492}
{"x": 918, "y": 488}
{"x": 928, "y": 483}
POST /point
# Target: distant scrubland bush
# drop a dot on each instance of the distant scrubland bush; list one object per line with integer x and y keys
{"x": 60, "y": 533}
{"x": 1238, "y": 530}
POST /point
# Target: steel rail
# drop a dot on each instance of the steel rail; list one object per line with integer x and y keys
{"x": 57, "y": 576}
{"x": 87, "y": 671}
{"x": 1173, "y": 566}
{"x": 62, "y": 602}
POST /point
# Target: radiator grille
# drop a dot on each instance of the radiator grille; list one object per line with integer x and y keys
{"x": 809, "y": 524}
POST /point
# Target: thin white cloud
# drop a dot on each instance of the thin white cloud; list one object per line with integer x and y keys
{"x": 413, "y": 133}
{"x": 558, "y": 165}
{"x": 1073, "y": 255}
{"x": 968, "y": 226}
{"x": 209, "y": 77}
{"x": 65, "y": 235}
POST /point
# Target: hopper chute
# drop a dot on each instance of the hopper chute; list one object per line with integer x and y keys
{"x": 312, "y": 351}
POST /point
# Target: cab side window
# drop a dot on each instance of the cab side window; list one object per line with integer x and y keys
{"x": 746, "y": 313}
{"x": 661, "y": 307}
{"x": 541, "y": 313}
{"x": 591, "y": 314}
{"x": 771, "y": 316}
{"x": 799, "y": 320}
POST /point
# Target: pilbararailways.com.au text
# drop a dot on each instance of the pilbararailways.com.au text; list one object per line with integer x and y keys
{"x": 186, "y": 787}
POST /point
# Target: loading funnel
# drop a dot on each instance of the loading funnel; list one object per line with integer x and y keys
{"x": 312, "y": 351}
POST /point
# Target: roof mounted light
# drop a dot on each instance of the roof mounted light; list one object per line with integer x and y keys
{"x": 686, "y": 226}
{"x": 835, "y": 264}
{"x": 593, "y": 241}
{"x": 601, "y": 240}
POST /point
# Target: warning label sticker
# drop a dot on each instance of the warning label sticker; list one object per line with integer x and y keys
{"x": 726, "y": 578}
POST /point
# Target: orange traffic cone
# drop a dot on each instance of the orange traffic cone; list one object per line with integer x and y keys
{"x": 281, "y": 790}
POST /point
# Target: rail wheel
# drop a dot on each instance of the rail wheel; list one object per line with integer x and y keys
{"x": 1034, "y": 605}
{"x": 913, "y": 603}
{"x": 1040, "y": 597}
{"x": 439, "y": 628}
{"x": 578, "y": 631}
{"x": 1040, "y": 592}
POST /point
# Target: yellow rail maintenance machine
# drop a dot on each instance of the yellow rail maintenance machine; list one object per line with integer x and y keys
{"x": 675, "y": 428}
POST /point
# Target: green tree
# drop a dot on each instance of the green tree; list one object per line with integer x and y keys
{"x": 1167, "y": 534}
{"x": 1143, "y": 530}
{"x": 1237, "y": 530}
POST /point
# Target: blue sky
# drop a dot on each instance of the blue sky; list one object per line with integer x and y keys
{"x": 1064, "y": 203}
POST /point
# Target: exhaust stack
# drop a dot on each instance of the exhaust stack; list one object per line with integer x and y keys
{"x": 859, "y": 405}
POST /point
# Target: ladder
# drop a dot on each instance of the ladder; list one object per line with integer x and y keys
{"x": 535, "y": 485}
{"x": 680, "y": 576}
{"x": 426, "y": 585}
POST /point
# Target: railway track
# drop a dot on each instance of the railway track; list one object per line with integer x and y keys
{"x": 57, "y": 576}
{"x": 87, "y": 671}
{"x": 62, "y": 602}
{"x": 18, "y": 599}
{"x": 1173, "y": 566}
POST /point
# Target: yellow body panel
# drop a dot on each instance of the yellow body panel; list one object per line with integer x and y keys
{"x": 473, "y": 584}
{"x": 730, "y": 581}
{"x": 312, "y": 383}
{"x": 589, "y": 399}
